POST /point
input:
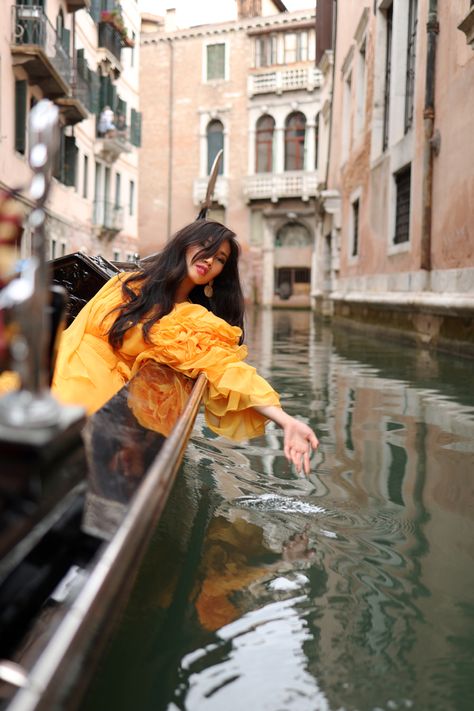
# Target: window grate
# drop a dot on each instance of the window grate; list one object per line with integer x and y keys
{"x": 402, "y": 216}
{"x": 355, "y": 228}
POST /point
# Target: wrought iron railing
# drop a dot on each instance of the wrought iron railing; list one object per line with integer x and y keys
{"x": 110, "y": 38}
{"x": 108, "y": 215}
{"x": 30, "y": 26}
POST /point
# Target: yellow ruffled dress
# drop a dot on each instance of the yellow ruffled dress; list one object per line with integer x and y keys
{"x": 189, "y": 339}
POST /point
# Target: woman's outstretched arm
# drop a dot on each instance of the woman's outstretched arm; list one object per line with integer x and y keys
{"x": 299, "y": 439}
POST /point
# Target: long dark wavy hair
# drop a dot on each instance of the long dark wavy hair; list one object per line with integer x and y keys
{"x": 149, "y": 294}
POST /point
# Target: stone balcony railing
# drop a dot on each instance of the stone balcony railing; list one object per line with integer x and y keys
{"x": 279, "y": 80}
{"x": 221, "y": 190}
{"x": 273, "y": 186}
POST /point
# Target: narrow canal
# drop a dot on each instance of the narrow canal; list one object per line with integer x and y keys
{"x": 352, "y": 589}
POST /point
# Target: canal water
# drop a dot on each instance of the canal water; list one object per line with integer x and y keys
{"x": 352, "y": 589}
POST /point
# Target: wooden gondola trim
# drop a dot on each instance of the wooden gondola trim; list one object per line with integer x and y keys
{"x": 52, "y": 675}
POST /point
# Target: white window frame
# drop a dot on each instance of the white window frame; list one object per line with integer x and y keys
{"x": 206, "y": 44}
{"x": 205, "y": 118}
{"x": 400, "y": 155}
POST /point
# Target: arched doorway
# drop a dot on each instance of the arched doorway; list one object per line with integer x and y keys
{"x": 292, "y": 260}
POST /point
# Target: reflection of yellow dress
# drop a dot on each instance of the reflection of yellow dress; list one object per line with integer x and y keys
{"x": 190, "y": 339}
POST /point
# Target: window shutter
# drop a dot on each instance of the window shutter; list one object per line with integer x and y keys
{"x": 136, "y": 128}
{"x": 70, "y": 160}
{"x": 81, "y": 64}
{"x": 66, "y": 39}
{"x": 20, "y": 115}
{"x": 112, "y": 94}
{"x": 94, "y": 91}
{"x": 95, "y": 10}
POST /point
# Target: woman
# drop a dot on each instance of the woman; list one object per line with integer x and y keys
{"x": 185, "y": 309}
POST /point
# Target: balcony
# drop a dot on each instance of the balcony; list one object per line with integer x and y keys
{"x": 221, "y": 190}
{"x": 74, "y": 108}
{"x": 36, "y": 47}
{"x": 280, "y": 80}
{"x": 74, "y": 5}
{"x": 110, "y": 48}
{"x": 274, "y": 186}
{"x": 108, "y": 219}
{"x": 111, "y": 145}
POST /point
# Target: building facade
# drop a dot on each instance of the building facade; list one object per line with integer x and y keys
{"x": 81, "y": 55}
{"x": 250, "y": 87}
{"x": 395, "y": 235}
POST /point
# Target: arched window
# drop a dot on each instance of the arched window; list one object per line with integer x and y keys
{"x": 215, "y": 141}
{"x": 295, "y": 128}
{"x": 293, "y": 234}
{"x": 264, "y": 144}
{"x": 316, "y": 141}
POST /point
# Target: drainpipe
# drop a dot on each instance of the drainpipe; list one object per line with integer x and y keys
{"x": 431, "y": 142}
{"x": 170, "y": 137}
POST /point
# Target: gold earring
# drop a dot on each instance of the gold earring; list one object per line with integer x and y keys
{"x": 208, "y": 290}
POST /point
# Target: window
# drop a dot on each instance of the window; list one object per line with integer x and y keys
{"x": 53, "y": 246}
{"x": 265, "y": 50}
{"x": 215, "y": 141}
{"x": 290, "y": 48}
{"x": 316, "y": 141}
{"x": 264, "y": 147}
{"x": 301, "y": 46}
{"x": 131, "y": 197}
{"x": 63, "y": 248}
{"x": 402, "y": 210}
{"x": 296, "y": 47}
{"x": 135, "y": 128}
{"x": 411, "y": 58}
{"x": 346, "y": 117}
{"x": 20, "y": 115}
{"x": 85, "y": 178}
{"x": 388, "y": 74}
{"x": 361, "y": 88}
{"x": 295, "y": 130}
{"x": 355, "y": 228}
{"x": 132, "y": 50}
{"x": 215, "y": 61}
{"x": 118, "y": 190}
{"x": 66, "y": 166}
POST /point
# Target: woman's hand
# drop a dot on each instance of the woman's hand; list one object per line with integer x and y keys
{"x": 298, "y": 439}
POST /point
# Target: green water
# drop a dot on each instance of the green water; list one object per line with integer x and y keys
{"x": 351, "y": 589}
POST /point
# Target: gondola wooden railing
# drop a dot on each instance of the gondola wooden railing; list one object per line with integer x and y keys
{"x": 62, "y": 671}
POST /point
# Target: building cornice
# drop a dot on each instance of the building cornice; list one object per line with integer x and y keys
{"x": 253, "y": 25}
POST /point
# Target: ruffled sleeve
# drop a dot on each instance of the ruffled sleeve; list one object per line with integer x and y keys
{"x": 193, "y": 340}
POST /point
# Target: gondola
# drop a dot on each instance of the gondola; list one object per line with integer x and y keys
{"x": 79, "y": 497}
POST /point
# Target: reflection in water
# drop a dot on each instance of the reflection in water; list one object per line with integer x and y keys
{"x": 352, "y": 589}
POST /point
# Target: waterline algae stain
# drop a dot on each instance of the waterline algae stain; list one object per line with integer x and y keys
{"x": 350, "y": 590}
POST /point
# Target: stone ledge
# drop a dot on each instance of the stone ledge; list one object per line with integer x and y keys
{"x": 453, "y": 304}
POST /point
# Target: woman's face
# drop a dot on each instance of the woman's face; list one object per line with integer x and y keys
{"x": 203, "y": 269}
